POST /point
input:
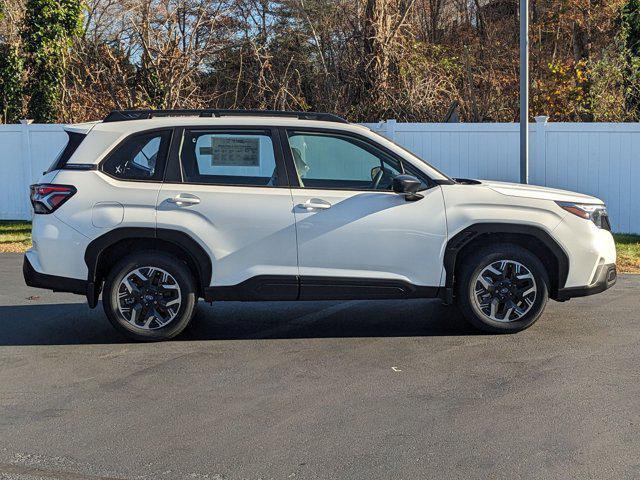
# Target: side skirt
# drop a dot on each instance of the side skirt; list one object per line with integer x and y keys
{"x": 288, "y": 288}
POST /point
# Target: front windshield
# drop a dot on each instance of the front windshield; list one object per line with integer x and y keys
{"x": 409, "y": 152}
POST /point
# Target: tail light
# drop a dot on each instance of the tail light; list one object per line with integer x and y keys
{"x": 47, "y": 197}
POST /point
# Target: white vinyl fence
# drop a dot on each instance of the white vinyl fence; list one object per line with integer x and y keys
{"x": 25, "y": 152}
{"x": 601, "y": 159}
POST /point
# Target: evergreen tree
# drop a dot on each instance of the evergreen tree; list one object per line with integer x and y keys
{"x": 11, "y": 77}
{"x": 48, "y": 28}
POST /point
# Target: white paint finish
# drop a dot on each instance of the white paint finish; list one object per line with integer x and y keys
{"x": 587, "y": 246}
{"x": 107, "y": 214}
{"x": 601, "y": 159}
{"x": 57, "y": 248}
{"x": 584, "y": 243}
{"x": 467, "y": 204}
{"x": 371, "y": 235}
{"x": 247, "y": 231}
{"x": 137, "y": 198}
{"x": 540, "y": 193}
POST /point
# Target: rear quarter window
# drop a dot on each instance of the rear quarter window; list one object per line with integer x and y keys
{"x": 139, "y": 157}
{"x": 75, "y": 139}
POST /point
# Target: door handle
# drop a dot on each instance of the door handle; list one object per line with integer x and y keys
{"x": 184, "y": 199}
{"x": 315, "y": 204}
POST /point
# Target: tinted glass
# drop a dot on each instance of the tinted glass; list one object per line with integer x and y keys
{"x": 340, "y": 162}
{"x": 75, "y": 139}
{"x": 140, "y": 157}
{"x": 243, "y": 158}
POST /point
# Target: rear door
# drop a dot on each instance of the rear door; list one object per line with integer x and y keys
{"x": 227, "y": 189}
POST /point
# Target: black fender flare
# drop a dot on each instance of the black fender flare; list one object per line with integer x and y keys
{"x": 95, "y": 249}
{"x": 462, "y": 238}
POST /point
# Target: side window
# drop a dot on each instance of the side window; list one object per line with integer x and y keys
{"x": 234, "y": 158}
{"x": 140, "y": 157}
{"x": 75, "y": 139}
{"x": 340, "y": 162}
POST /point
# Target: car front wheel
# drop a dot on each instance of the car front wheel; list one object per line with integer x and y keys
{"x": 149, "y": 296}
{"x": 502, "y": 288}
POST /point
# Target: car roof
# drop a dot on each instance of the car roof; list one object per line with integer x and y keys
{"x": 104, "y": 135}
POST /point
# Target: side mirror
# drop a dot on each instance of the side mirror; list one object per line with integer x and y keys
{"x": 408, "y": 186}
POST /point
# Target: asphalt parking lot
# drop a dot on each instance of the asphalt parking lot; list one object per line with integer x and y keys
{"x": 324, "y": 390}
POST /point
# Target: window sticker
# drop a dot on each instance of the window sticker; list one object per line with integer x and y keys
{"x": 232, "y": 151}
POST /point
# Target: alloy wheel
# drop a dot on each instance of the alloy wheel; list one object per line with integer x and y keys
{"x": 504, "y": 291}
{"x": 149, "y": 298}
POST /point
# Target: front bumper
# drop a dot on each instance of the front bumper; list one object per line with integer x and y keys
{"x": 36, "y": 279}
{"x": 605, "y": 277}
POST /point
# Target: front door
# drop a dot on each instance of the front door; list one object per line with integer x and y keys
{"x": 231, "y": 195}
{"x": 356, "y": 237}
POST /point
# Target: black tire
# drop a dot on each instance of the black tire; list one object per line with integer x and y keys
{"x": 471, "y": 267}
{"x": 177, "y": 269}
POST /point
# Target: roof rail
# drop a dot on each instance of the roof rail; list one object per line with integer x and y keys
{"x": 125, "y": 115}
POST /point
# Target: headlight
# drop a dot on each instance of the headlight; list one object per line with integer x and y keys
{"x": 596, "y": 213}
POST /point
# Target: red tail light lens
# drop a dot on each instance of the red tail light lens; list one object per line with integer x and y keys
{"x": 47, "y": 197}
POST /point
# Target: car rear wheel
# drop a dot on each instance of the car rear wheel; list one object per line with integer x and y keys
{"x": 149, "y": 296}
{"x": 502, "y": 288}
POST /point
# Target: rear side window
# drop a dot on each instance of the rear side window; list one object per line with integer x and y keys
{"x": 139, "y": 157}
{"x": 233, "y": 158}
{"x": 75, "y": 139}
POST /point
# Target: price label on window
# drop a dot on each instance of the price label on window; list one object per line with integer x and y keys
{"x": 233, "y": 152}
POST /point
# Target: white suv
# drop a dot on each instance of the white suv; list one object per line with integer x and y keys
{"x": 158, "y": 208}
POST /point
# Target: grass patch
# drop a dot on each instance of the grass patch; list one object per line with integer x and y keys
{"x": 15, "y": 236}
{"x": 628, "y": 247}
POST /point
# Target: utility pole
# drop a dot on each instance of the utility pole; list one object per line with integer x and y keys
{"x": 524, "y": 91}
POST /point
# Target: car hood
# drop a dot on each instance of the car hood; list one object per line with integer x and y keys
{"x": 542, "y": 193}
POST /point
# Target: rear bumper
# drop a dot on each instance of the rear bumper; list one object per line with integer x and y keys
{"x": 605, "y": 277}
{"x": 51, "y": 282}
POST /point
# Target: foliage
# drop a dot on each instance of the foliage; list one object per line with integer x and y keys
{"x": 11, "y": 79}
{"x": 48, "y": 28}
{"x": 366, "y": 59}
{"x": 607, "y": 94}
{"x": 560, "y": 90}
{"x": 629, "y": 40}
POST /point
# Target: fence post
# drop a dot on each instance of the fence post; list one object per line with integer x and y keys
{"x": 540, "y": 158}
{"x": 27, "y": 167}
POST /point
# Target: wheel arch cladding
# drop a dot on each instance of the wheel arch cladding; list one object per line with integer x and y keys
{"x": 534, "y": 239}
{"x": 106, "y": 250}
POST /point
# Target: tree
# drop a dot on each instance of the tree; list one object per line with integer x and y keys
{"x": 11, "y": 87}
{"x": 11, "y": 75}
{"x": 48, "y": 28}
{"x": 366, "y": 59}
{"x": 629, "y": 38}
